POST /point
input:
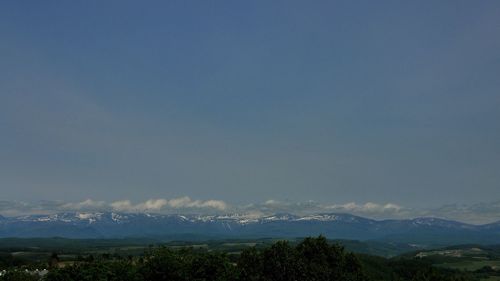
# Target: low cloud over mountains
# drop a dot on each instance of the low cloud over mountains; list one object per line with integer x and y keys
{"x": 476, "y": 213}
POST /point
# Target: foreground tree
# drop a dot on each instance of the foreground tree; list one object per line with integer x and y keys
{"x": 250, "y": 265}
{"x": 313, "y": 259}
{"x": 164, "y": 264}
{"x": 281, "y": 263}
{"x": 16, "y": 275}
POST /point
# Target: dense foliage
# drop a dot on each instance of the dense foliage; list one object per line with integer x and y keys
{"x": 313, "y": 259}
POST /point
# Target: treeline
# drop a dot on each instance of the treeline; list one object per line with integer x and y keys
{"x": 310, "y": 260}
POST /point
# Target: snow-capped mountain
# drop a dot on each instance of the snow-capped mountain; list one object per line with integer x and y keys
{"x": 341, "y": 226}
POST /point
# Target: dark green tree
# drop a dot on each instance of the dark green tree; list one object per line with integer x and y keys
{"x": 164, "y": 264}
{"x": 280, "y": 263}
{"x": 210, "y": 267}
{"x": 250, "y": 265}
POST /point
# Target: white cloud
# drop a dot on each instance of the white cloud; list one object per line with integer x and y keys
{"x": 149, "y": 205}
{"x": 186, "y": 202}
{"x": 391, "y": 206}
{"x": 152, "y": 205}
{"x": 216, "y": 204}
{"x": 181, "y": 202}
{"x": 348, "y": 206}
{"x": 271, "y": 202}
{"x": 164, "y": 204}
{"x": 122, "y": 206}
{"x": 367, "y": 208}
{"x": 84, "y": 205}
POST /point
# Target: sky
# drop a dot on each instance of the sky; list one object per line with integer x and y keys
{"x": 393, "y": 103}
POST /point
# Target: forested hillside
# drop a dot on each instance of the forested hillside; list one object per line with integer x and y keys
{"x": 310, "y": 260}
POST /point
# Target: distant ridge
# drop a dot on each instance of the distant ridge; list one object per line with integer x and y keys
{"x": 336, "y": 226}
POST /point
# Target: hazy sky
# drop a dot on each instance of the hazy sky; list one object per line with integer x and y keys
{"x": 245, "y": 101}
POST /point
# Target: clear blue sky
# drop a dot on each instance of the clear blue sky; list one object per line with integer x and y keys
{"x": 244, "y": 101}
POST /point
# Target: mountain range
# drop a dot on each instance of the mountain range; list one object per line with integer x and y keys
{"x": 422, "y": 231}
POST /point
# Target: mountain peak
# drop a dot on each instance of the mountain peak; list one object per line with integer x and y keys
{"x": 282, "y": 225}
